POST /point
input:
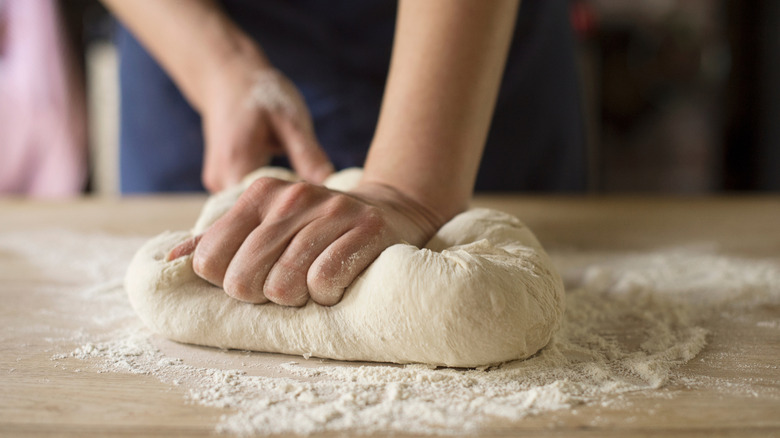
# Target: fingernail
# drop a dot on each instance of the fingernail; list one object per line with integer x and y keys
{"x": 185, "y": 248}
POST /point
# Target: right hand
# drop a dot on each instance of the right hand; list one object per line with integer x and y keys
{"x": 287, "y": 242}
{"x": 252, "y": 113}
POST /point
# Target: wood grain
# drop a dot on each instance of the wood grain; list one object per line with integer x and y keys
{"x": 41, "y": 397}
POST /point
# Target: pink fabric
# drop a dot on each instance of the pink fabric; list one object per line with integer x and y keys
{"x": 42, "y": 114}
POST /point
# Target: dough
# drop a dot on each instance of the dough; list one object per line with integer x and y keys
{"x": 481, "y": 292}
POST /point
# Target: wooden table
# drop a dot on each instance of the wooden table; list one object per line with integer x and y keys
{"x": 40, "y": 398}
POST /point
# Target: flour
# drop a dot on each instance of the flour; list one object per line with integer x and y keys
{"x": 631, "y": 321}
{"x": 481, "y": 292}
{"x": 482, "y": 274}
{"x": 769, "y": 324}
{"x": 272, "y": 90}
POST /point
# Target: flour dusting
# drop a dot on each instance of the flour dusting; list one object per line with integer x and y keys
{"x": 631, "y": 321}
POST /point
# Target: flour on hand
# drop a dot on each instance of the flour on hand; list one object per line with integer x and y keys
{"x": 481, "y": 292}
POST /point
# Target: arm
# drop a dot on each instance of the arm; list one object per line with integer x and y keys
{"x": 287, "y": 242}
{"x": 216, "y": 66}
{"x": 447, "y": 64}
{"x": 192, "y": 40}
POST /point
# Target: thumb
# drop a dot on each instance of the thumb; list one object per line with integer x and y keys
{"x": 304, "y": 151}
{"x": 183, "y": 249}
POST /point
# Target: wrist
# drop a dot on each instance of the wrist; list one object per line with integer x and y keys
{"x": 426, "y": 219}
{"x": 401, "y": 200}
{"x": 442, "y": 193}
{"x": 230, "y": 63}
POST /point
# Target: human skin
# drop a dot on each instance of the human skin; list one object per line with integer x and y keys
{"x": 291, "y": 242}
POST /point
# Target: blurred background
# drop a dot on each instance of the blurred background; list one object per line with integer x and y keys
{"x": 680, "y": 96}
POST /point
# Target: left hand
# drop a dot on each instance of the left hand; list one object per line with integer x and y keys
{"x": 251, "y": 114}
{"x": 287, "y": 242}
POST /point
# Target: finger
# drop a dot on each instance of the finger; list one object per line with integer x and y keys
{"x": 288, "y": 213}
{"x": 185, "y": 248}
{"x": 286, "y": 283}
{"x": 246, "y": 275}
{"x": 219, "y": 244}
{"x": 235, "y": 148}
{"x": 241, "y": 167}
{"x": 338, "y": 266}
{"x": 305, "y": 153}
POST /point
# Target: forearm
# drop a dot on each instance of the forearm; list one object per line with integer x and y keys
{"x": 448, "y": 59}
{"x": 193, "y": 40}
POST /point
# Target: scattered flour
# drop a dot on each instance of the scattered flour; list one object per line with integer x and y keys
{"x": 631, "y": 319}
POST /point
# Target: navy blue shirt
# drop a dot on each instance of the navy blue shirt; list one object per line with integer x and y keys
{"x": 338, "y": 53}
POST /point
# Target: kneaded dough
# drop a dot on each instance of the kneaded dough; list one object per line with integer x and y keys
{"x": 481, "y": 292}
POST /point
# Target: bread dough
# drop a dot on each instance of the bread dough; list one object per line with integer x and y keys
{"x": 481, "y": 292}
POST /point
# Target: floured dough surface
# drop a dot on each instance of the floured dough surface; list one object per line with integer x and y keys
{"x": 481, "y": 292}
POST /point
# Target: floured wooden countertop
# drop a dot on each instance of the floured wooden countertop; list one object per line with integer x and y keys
{"x": 673, "y": 329}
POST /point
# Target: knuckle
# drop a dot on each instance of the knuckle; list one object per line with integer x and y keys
{"x": 285, "y": 294}
{"x": 239, "y": 288}
{"x": 294, "y": 197}
{"x": 261, "y": 187}
{"x": 338, "y": 205}
{"x": 207, "y": 268}
{"x": 275, "y": 293}
{"x": 299, "y": 190}
{"x": 323, "y": 276}
{"x": 290, "y": 269}
{"x": 327, "y": 295}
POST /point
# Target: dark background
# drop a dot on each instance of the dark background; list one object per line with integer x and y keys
{"x": 680, "y": 96}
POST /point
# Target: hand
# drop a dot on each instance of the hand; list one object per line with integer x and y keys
{"x": 286, "y": 242}
{"x": 252, "y": 115}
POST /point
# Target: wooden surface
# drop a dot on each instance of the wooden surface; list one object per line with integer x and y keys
{"x": 40, "y": 398}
